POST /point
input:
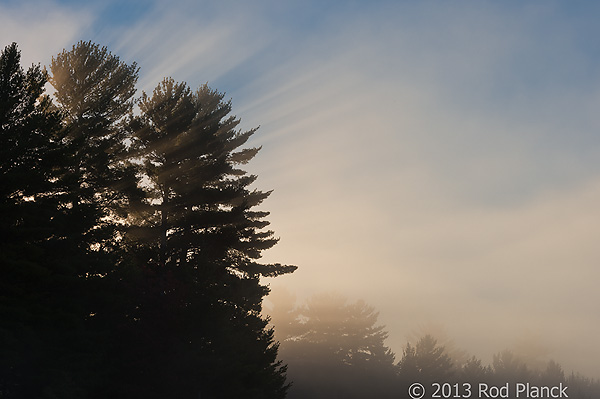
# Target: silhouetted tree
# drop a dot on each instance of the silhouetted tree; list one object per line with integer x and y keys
{"x": 203, "y": 209}
{"x": 42, "y": 299}
{"x": 346, "y": 330}
{"x": 509, "y": 368}
{"x": 96, "y": 187}
{"x": 425, "y": 362}
{"x": 29, "y": 131}
{"x": 198, "y": 245}
{"x": 457, "y": 355}
{"x": 336, "y": 349}
{"x": 474, "y": 371}
{"x": 552, "y": 374}
{"x": 94, "y": 91}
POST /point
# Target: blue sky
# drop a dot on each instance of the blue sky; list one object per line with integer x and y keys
{"x": 440, "y": 160}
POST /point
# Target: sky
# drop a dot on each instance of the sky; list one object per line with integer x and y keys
{"x": 440, "y": 160}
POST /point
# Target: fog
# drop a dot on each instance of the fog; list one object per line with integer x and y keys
{"x": 438, "y": 161}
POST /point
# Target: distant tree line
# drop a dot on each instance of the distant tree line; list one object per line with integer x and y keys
{"x": 130, "y": 238}
{"x": 335, "y": 348}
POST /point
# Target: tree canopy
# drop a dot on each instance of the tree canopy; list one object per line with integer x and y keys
{"x": 131, "y": 241}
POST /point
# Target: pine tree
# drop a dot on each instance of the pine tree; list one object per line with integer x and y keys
{"x": 94, "y": 92}
{"x": 425, "y": 362}
{"x": 508, "y": 367}
{"x": 347, "y": 331}
{"x": 41, "y": 307}
{"x": 29, "y": 135}
{"x": 336, "y": 349}
{"x": 204, "y": 206}
{"x": 200, "y": 243}
{"x": 98, "y": 191}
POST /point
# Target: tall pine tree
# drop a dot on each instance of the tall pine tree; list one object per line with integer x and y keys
{"x": 42, "y": 308}
{"x": 201, "y": 243}
{"x": 203, "y": 205}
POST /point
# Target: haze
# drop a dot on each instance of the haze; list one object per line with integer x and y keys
{"x": 438, "y": 160}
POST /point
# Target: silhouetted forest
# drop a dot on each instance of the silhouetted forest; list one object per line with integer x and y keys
{"x": 335, "y": 348}
{"x": 129, "y": 238}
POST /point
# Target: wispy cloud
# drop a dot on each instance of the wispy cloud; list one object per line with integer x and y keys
{"x": 187, "y": 42}
{"x": 41, "y": 29}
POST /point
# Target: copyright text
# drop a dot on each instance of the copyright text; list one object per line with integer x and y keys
{"x": 484, "y": 391}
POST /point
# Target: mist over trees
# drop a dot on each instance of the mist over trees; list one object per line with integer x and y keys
{"x": 130, "y": 241}
{"x": 336, "y": 348}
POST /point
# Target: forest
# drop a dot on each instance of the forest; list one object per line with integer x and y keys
{"x": 130, "y": 257}
{"x": 335, "y": 348}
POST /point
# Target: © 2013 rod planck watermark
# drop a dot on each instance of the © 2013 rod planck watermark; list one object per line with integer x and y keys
{"x": 483, "y": 391}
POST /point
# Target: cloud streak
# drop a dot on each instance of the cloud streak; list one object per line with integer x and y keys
{"x": 41, "y": 29}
